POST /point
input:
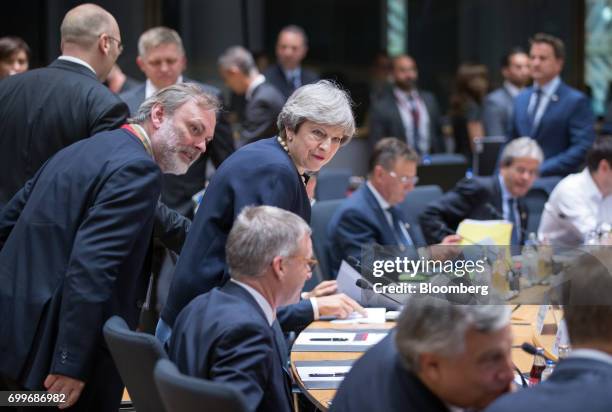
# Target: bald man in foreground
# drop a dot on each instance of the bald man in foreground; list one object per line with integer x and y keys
{"x": 48, "y": 109}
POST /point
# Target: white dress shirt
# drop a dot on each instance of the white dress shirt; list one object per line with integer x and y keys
{"x": 150, "y": 88}
{"x": 249, "y": 91}
{"x": 574, "y": 208}
{"x": 405, "y": 107}
{"x": 384, "y": 205}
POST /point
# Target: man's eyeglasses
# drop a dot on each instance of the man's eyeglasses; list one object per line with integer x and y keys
{"x": 310, "y": 262}
{"x": 119, "y": 44}
{"x": 405, "y": 179}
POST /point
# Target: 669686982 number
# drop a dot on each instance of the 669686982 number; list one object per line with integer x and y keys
{"x": 31, "y": 398}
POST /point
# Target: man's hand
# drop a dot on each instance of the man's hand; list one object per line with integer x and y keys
{"x": 70, "y": 387}
{"x": 447, "y": 249}
{"x": 325, "y": 288}
{"x": 339, "y": 306}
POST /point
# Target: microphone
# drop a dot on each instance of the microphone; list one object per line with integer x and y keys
{"x": 364, "y": 284}
{"x": 532, "y": 350}
{"x": 354, "y": 262}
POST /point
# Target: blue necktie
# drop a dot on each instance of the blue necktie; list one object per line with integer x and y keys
{"x": 400, "y": 235}
{"x": 516, "y": 223}
{"x": 534, "y": 111}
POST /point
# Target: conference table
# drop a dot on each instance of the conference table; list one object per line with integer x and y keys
{"x": 523, "y": 328}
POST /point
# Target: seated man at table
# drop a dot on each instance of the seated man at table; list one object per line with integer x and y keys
{"x": 497, "y": 197}
{"x": 582, "y": 381}
{"x": 581, "y": 202}
{"x": 440, "y": 357}
{"x": 371, "y": 214}
{"x": 231, "y": 334}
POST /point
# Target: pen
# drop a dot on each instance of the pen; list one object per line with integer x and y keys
{"x": 327, "y": 375}
{"x": 328, "y": 339}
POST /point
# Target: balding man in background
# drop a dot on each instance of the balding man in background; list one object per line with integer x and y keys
{"x": 48, "y": 109}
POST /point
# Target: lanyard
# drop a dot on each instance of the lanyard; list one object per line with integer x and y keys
{"x": 141, "y": 134}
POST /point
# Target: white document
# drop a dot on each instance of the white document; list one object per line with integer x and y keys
{"x": 541, "y": 317}
{"x": 375, "y": 315}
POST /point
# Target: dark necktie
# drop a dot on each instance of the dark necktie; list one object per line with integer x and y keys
{"x": 402, "y": 238}
{"x": 414, "y": 111}
{"x": 534, "y": 111}
{"x": 516, "y": 223}
{"x": 294, "y": 80}
{"x": 283, "y": 355}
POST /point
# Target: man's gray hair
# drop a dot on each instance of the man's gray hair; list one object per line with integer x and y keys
{"x": 521, "y": 147}
{"x": 157, "y": 36}
{"x": 323, "y": 102}
{"x": 238, "y": 56}
{"x": 258, "y": 235}
{"x": 434, "y": 325}
{"x": 173, "y": 97}
{"x": 83, "y": 24}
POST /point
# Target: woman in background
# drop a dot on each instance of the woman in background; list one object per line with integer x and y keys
{"x": 471, "y": 86}
{"x": 14, "y": 56}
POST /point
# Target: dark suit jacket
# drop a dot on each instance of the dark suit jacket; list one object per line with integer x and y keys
{"x": 260, "y": 173}
{"x": 359, "y": 221}
{"x": 45, "y": 110}
{"x": 261, "y": 113}
{"x": 224, "y": 336}
{"x": 477, "y": 198}
{"x": 379, "y": 382}
{"x": 178, "y": 190}
{"x": 577, "y": 384}
{"x": 275, "y": 76}
{"x": 386, "y": 121}
{"x": 497, "y": 113}
{"x": 565, "y": 131}
{"x": 74, "y": 242}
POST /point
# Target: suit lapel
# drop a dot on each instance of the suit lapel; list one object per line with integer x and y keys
{"x": 554, "y": 103}
{"x": 380, "y": 214}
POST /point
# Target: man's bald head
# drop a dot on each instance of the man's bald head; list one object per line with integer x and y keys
{"x": 83, "y": 24}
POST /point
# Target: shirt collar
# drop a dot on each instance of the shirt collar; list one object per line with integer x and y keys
{"x": 150, "y": 88}
{"x": 505, "y": 193}
{"x": 406, "y": 95}
{"x": 261, "y": 301}
{"x": 78, "y": 61}
{"x": 551, "y": 87}
{"x": 512, "y": 89}
{"x": 291, "y": 73}
{"x": 258, "y": 80}
{"x": 591, "y": 354}
{"x": 384, "y": 205}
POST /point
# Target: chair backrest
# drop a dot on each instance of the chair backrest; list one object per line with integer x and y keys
{"x": 182, "y": 393}
{"x": 415, "y": 203}
{"x": 354, "y": 156}
{"x": 536, "y": 199}
{"x": 486, "y": 154}
{"x": 443, "y": 172}
{"x": 332, "y": 184}
{"x": 135, "y": 356}
{"x": 322, "y": 213}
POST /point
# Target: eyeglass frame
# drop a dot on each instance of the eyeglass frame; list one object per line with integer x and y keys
{"x": 119, "y": 43}
{"x": 404, "y": 179}
{"x": 312, "y": 263}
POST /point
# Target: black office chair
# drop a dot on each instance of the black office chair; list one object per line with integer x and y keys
{"x": 444, "y": 170}
{"x": 415, "y": 203}
{"x": 322, "y": 213}
{"x": 332, "y": 184}
{"x": 182, "y": 393}
{"x": 135, "y": 356}
{"x": 486, "y": 154}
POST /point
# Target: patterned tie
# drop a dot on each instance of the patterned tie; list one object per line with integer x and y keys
{"x": 414, "y": 111}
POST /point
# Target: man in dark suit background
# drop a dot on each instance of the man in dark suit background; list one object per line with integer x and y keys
{"x": 287, "y": 74}
{"x": 263, "y": 101}
{"x": 582, "y": 381}
{"x": 371, "y": 214}
{"x": 558, "y": 117}
{"x": 35, "y": 121}
{"x": 85, "y": 223}
{"x": 161, "y": 57}
{"x": 492, "y": 197}
{"x": 499, "y": 104}
{"x": 231, "y": 334}
{"x": 406, "y": 112}
{"x": 441, "y": 357}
